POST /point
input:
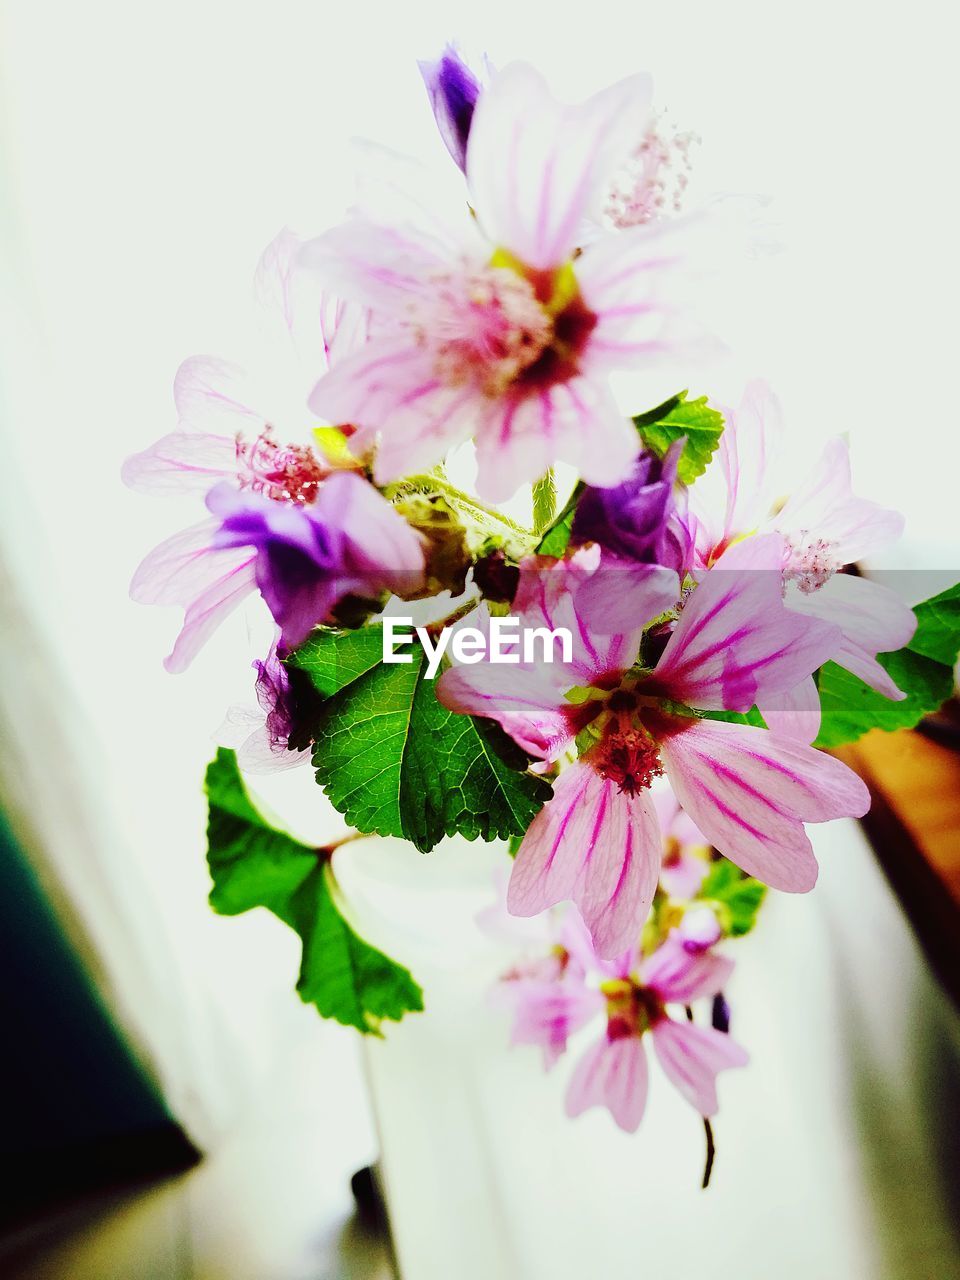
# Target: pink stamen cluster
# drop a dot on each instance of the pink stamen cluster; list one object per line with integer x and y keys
{"x": 653, "y": 182}
{"x": 485, "y": 327}
{"x": 284, "y": 472}
{"x": 810, "y": 562}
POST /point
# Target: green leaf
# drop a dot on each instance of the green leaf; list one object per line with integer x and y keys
{"x": 752, "y": 717}
{"x": 938, "y": 627}
{"x": 544, "y": 501}
{"x": 556, "y": 539}
{"x": 923, "y": 670}
{"x": 739, "y": 896}
{"x": 253, "y": 864}
{"x": 334, "y": 659}
{"x": 677, "y": 417}
{"x": 849, "y": 708}
{"x": 392, "y": 759}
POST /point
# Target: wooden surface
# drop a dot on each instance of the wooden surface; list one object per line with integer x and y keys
{"x": 914, "y": 825}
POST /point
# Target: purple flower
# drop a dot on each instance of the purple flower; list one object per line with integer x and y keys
{"x": 350, "y": 541}
{"x": 453, "y": 90}
{"x": 638, "y": 520}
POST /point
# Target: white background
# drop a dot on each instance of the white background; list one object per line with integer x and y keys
{"x": 151, "y": 151}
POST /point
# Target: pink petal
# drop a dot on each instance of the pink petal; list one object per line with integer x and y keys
{"x": 215, "y": 396}
{"x": 825, "y": 505}
{"x": 794, "y": 713}
{"x": 381, "y": 267}
{"x": 546, "y": 1013}
{"x": 575, "y": 421}
{"x": 535, "y": 166}
{"x": 630, "y": 280}
{"x": 522, "y": 700}
{"x": 750, "y": 792}
{"x": 611, "y": 1074}
{"x": 692, "y": 1057}
{"x": 872, "y": 620}
{"x": 735, "y": 641}
{"x": 752, "y": 438}
{"x": 680, "y": 976}
{"x": 183, "y": 461}
{"x": 598, "y": 847}
{"x": 389, "y": 390}
{"x": 622, "y": 597}
{"x": 209, "y": 584}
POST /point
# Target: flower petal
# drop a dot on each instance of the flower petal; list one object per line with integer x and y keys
{"x": 749, "y": 792}
{"x": 872, "y": 619}
{"x": 215, "y": 396}
{"x": 680, "y": 976}
{"x": 621, "y": 597}
{"x": 598, "y": 847}
{"x": 521, "y": 699}
{"x": 535, "y": 166}
{"x": 611, "y": 1074}
{"x": 735, "y": 641}
{"x": 381, "y": 267}
{"x": 794, "y": 713}
{"x": 181, "y": 462}
{"x": 692, "y": 1057}
{"x": 547, "y": 1012}
{"x": 825, "y": 505}
{"x": 575, "y": 421}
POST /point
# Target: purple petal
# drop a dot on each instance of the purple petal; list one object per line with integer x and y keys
{"x": 680, "y": 976}
{"x": 453, "y": 91}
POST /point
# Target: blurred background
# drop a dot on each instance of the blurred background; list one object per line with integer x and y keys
{"x": 149, "y": 153}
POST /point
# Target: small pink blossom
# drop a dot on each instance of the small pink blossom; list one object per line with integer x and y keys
{"x": 613, "y": 1072}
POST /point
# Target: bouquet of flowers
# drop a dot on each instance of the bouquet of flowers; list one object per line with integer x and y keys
{"x": 633, "y": 685}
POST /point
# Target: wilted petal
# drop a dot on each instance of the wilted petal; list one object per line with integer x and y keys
{"x": 453, "y": 91}
{"x": 535, "y": 166}
{"x": 735, "y": 641}
{"x": 680, "y": 976}
{"x": 692, "y": 1057}
{"x": 826, "y": 506}
{"x": 750, "y": 793}
{"x": 611, "y": 1074}
{"x": 598, "y": 847}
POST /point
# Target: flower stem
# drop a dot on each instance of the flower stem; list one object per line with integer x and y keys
{"x": 711, "y": 1152}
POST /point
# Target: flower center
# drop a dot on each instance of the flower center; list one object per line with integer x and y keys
{"x": 285, "y": 472}
{"x": 500, "y": 326}
{"x": 631, "y": 1009}
{"x": 810, "y": 562}
{"x": 652, "y": 183}
{"x": 628, "y": 755}
{"x": 485, "y": 326}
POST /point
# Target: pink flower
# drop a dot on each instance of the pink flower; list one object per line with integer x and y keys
{"x": 825, "y": 526}
{"x": 749, "y": 791}
{"x": 228, "y": 434}
{"x": 261, "y": 737}
{"x": 613, "y": 1072}
{"x": 501, "y": 333}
